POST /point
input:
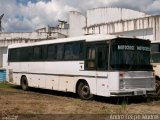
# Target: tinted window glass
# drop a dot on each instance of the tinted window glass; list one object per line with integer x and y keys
{"x": 130, "y": 54}
{"x": 60, "y": 51}
{"x": 68, "y": 51}
{"x": 24, "y": 54}
{"x": 73, "y": 51}
{"x": 155, "y": 47}
{"x": 102, "y": 59}
{"x": 77, "y": 50}
{"x": 29, "y": 53}
{"x": 155, "y": 52}
{"x": 14, "y": 55}
{"x": 37, "y": 53}
{"x": 44, "y": 52}
{"x": 52, "y": 52}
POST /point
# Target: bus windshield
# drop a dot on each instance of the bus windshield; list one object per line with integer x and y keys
{"x": 155, "y": 52}
{"x": 129, "y": 54}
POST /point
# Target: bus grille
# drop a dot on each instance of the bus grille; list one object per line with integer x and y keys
{"x": 138, "y": 83}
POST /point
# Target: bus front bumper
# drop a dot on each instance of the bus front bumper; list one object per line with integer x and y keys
{"x": 132, "y": 93}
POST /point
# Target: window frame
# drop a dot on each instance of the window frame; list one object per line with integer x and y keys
{"x": 96, "y": 45}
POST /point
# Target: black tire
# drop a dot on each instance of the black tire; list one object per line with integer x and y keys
{"x": 24, "y": 83}
{"x": 84, "y": 91}
{"x": 157, "y": 87}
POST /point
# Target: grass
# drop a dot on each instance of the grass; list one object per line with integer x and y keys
{"x": 5, "y": 85}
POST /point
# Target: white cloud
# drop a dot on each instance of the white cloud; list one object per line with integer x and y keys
{"x": 26, "y": 17}
{"x": 154, "y": 8}
{"x": 147, "y": 6}
{"x": 16, "y": 25}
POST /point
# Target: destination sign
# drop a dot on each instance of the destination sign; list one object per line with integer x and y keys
{"x": 133, "y": 47}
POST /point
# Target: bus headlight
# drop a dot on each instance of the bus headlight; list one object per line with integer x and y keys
{"x": 121, "y": 84}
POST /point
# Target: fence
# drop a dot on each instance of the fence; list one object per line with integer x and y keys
{"x": 2, "y": 75}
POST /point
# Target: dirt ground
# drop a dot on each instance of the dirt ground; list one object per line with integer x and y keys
{"x": 15, "y": 101}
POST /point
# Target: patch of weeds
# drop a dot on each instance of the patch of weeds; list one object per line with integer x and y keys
{"x": 123, "y": 106}
{"x": 106, "y": 110}
{"x": 5, "y": 85}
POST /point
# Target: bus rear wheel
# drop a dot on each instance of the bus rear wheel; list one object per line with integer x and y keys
{"x": 84, "y": 91}
{"x": 24, "y": 83}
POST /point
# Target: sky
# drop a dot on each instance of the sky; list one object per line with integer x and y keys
{"x": 29, "y": 15}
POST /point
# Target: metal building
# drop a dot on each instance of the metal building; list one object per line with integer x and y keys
{"x": 116, "y": 21}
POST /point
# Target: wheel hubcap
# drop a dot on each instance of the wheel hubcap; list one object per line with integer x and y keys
{"x": 85, "y": 91}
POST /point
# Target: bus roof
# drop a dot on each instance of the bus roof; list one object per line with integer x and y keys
{"x": 87, "y": 38}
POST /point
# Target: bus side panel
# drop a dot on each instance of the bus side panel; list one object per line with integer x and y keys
{"x": 102, "y": 87}
{"x": 113, "y": 81}
{"x": 36, "y": 67}
{"x": 68, "y": 84}
{"x": 62, "y": 84}
{"x": 32, "y": 80}
{"x": 68, "y": 68}
{"x": 52, "y": 82}
{"x": 41, "y": 81}
{"x": 16, "y": 79}
{"x": 102, "y": 83}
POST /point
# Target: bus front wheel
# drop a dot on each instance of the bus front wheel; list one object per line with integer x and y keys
{"x": 84, "y": 91}
{"x": 157, "y": 87}
{"x": 24, "y": 83}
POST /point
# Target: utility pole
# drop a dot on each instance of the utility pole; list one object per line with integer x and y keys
{"x": 1, "y": 22}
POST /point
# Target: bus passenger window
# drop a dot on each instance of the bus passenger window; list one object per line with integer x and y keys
{"x": 14, "y": 55}
{"x": 51, "y": 52}
{"x": 102, "y": 59}
{"x": 68, "y": 52}
{"x": 77, "y": 50}
{"x": 44, "y": 52}
{"x": 37, "y": 53}
{"x": 91, "y": 55}
{"x": 60, "y": 51}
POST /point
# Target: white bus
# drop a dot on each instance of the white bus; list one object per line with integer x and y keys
{"x": 155, "y": 60}
{"x": 102, "y": 65}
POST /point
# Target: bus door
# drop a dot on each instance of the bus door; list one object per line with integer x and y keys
{"x": 97, "y": 64}
{"x": 102, "y": 68}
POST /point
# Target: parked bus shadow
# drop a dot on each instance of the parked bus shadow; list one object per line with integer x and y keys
{"x": 49, "y": 92}
{"x": 110, "y": 100}
{"x": 128, "y": 100}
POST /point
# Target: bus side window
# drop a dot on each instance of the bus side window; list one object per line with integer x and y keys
{"x": 37, "y": 53}
{"x": 77, "y": 51}
{"x": 155, "y": 53}
{"x": 14, "y": 55}
{"x": 51, "y": 52}
{"x": 102, "y": 57}
{"x": 44, "y": 52}
{"x": 73, "y": 51}
{"x": 60, "y": 48}
{"x": 91, "y": 58}
{"x": 24, "y": 54}
{"x": 68, "y": 51}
